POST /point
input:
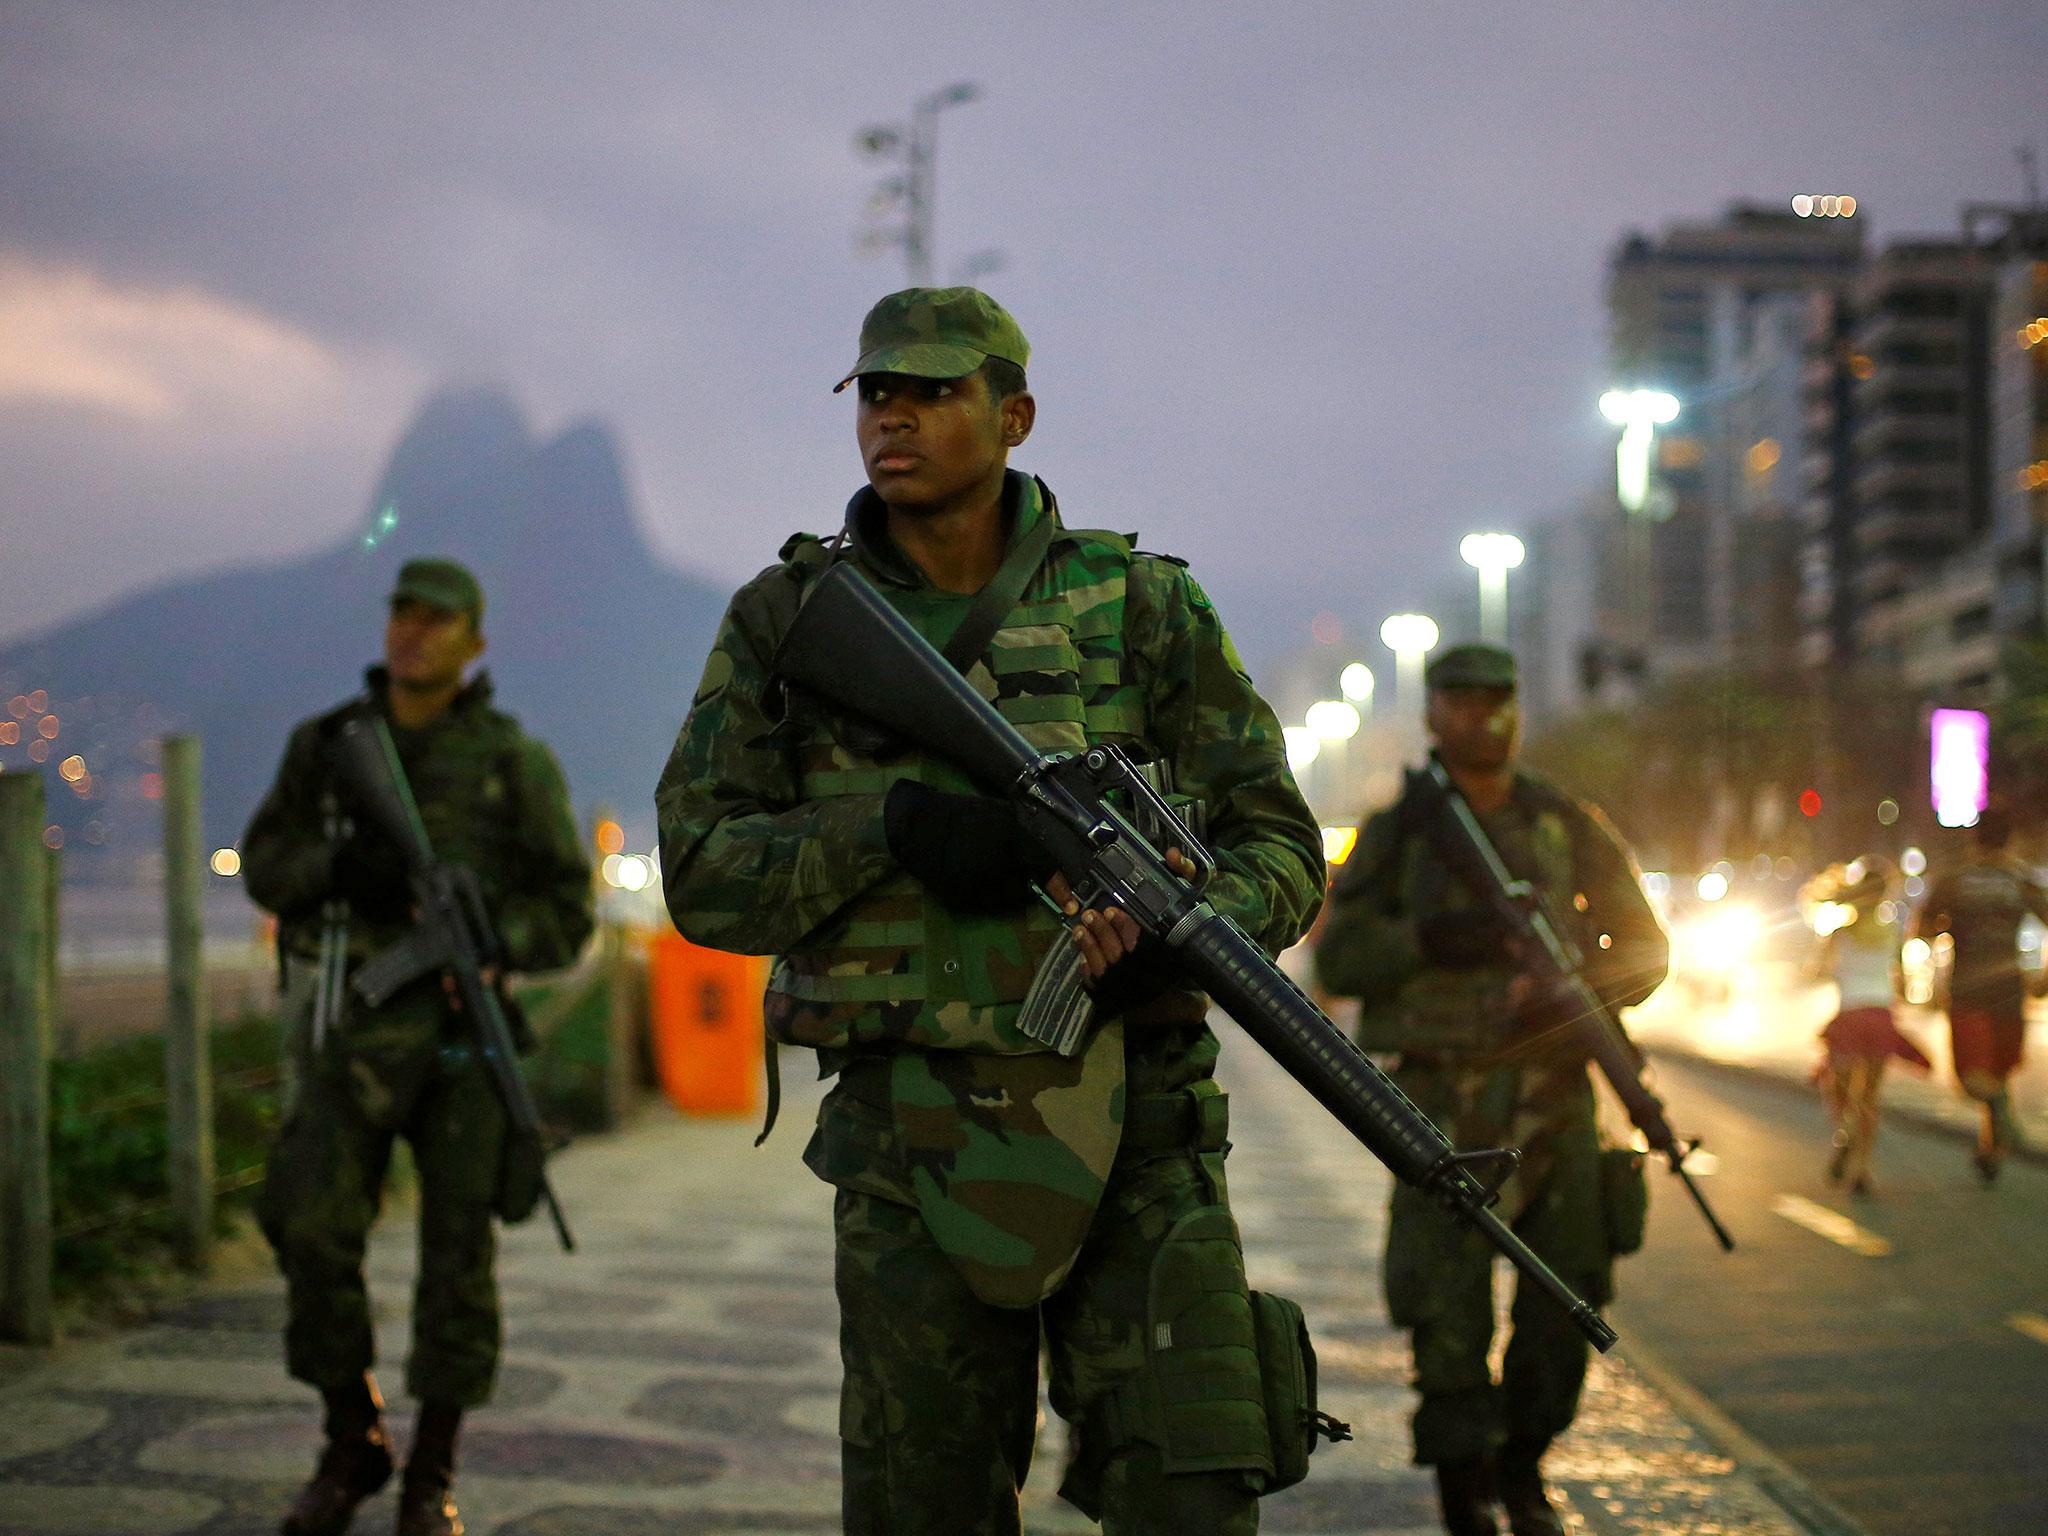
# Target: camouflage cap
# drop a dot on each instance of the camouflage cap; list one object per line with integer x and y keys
{"x": 440, "y": 583}
{"x": 1471, "y": 666}
{"x": 936, "y": 333}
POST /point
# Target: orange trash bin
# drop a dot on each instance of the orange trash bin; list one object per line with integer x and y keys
{"x": 704, "y": 1009}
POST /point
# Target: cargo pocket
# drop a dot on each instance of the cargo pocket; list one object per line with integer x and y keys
{"x": 1201, "y": 1351}
{"x": 1624, "y": 1199}
{"x": 1287, "y": 1373}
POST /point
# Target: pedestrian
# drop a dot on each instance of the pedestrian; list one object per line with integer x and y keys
{"x": 1980, "y": 905}
{"x": 986, "y": 1189}
{"x": 493, "y": 800}
{"x": 1441, "y": 986}
{"x": 1860, "y": 955}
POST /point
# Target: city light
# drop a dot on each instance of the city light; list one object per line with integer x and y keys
{"x": 226, "y": 863}
{"x": 1638, "y": 412}
{"x": 72, "y": 769}
{"x": 1411, "y": 637}
{"x": 1887, "y": 811}
{"x": 2034, "y": 332}
{"x": 1713, "y": 885}
{"x": 1959, "y": 757}
{"x": 627, "y": 871}
{"x": 1806, "y": 206}
{"x": 1338, "y": 843}
{"x": 1303, "y": 746}
{"x": 611, "y": 837}
{"x": 1333, "y": 720}
{"x": 1493, "y": 555}
{"x": 1409, "y": 633}
{"x": 1356, "y": 682}
{"x": 1913, "y": 862}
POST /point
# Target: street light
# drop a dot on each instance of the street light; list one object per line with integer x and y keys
{"x": 1411, "y": 637}
{"x": 1638, "y": 412}
{"x": 1332, "y": 720}
{"x": 1356, "y": 683}
{"x": 918, "y": 147}
{"x": 1493, "y": 555}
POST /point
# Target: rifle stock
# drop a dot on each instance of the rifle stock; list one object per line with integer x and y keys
{"x": 848, "y": 645}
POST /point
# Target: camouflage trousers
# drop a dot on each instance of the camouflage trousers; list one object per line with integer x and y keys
{"x": 1439, "y": 1273}
{"x": 324, "y": 1186}
{"x": 940, "y": 1404}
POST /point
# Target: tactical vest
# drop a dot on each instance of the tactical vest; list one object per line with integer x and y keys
{"x": 897, "y": 967}
{"x": 1456, "y": 1011}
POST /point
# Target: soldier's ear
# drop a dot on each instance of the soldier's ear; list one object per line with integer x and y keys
{"x": 1020, "y": 411}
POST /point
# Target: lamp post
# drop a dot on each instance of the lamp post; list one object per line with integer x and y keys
{"x": 917, "y": 145}
{"x": 1493, "y": 555}
{"x": 1411, "y": 637}
{"x": 1638, "y": 412}
{"x": 1356, "y": 684}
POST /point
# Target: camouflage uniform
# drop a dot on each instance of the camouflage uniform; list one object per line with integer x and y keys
{"x": 986, "y": 1188}
{"x": 1490, "y": 1083}
{"x": 493, "y": 799}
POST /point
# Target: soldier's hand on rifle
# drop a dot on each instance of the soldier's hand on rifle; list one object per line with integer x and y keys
{"x": 1106, "y": 934}
{"x": 969, "y": 851}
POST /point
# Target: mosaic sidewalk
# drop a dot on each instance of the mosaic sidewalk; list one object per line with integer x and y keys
{"x": 678, "y": 1374}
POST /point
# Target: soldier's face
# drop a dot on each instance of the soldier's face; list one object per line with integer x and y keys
{"x": 1476, "y": 729}
{"x": 427, "y": 647}
{"x": 927, "y": 443}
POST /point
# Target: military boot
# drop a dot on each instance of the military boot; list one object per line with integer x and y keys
{"x": 354, "y": 1464}
{"x": 426, "y": 1506}
{"x": 1464, "y": 1490}
{"x": 1523, "y": 1492}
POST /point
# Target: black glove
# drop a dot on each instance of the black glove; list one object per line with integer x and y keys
{"x": 969, "y": 851}
{"x": 1464, "y": 940}
{"x": 369, "y": 874}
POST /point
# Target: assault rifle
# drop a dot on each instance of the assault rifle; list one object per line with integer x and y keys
{"x": 1541, "y": 943}
{"x": 453, "y": 937}
{"x": 848, "y": 646}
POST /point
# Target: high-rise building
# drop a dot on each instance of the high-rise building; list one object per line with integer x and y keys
{"x": 1926, "y": 397}
{"x": 1713, "y": 313}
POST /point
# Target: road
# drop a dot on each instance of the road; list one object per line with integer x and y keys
{"x": 1893, "y": 1350}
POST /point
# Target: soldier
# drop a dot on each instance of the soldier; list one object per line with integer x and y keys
{"x": 1980, "y": 906}
{"x": 493, "y": 799}
{"x": 1439, "y": 984}
{"x": 987, "y": 1188}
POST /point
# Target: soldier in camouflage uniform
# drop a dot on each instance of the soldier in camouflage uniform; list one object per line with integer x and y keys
{"x": 1438, "y": 984}
{"x": 987, "y": 1189}
{"x": 492, "y": 799}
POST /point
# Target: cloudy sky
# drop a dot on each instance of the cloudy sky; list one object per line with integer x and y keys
{"x": 1313, "y": 289}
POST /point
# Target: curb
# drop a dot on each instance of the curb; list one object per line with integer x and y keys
{"x": 1802, "y": 1503}
{"x": 2026, "y": 1151}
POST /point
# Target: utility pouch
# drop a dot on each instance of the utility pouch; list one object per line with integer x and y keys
{"x": 521, "y": 1162}
{"x": 1624, "y": 1198}
{"x": 1287, "y": 1373}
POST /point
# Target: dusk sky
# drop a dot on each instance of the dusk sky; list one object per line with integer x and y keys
{"x": 1312, "y": 289}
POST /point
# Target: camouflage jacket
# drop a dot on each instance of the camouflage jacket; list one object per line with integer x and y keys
{"x": 1369, "y": 946}
{"x": 751, "y": 863}
{"x": 492, "y": 798}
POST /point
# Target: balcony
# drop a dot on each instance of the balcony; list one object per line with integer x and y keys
{"x": 1886, "y": 478}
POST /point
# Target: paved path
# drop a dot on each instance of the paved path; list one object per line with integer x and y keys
{"x": 1892, "y": 1348}
{"x": 678, "y": 1375}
